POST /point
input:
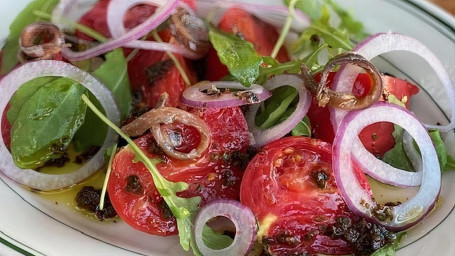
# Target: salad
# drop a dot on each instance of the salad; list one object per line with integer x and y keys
{"x": 270, "y": 116}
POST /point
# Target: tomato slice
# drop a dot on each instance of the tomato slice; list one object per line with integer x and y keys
{"x": 377, "y": 138}
{"x": 290, "y": 187}
{"x": 262, "y": 35}
{"x": 217, "y": 174}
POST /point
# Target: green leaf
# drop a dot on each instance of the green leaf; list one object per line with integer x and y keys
{"x": 112, "y": 73}
{"x": 348, "y": 22}
{"x": 303, "y": 128}
{"x": 215, "y": 240}
{"x": 23, "y": 94}
{"x": 273, "y": 68}
{"x": 311, "y": 7}
{"x": 25, "y": 17}
{"x": 47, "y": 122}
{"x": 440, "y": 147}
{"x": 311, "y": 60}
{"x": 397, "y": 157}
{"x": 237, "y": 54}
{"x": 276, "y": 106}
{"x": 389, "y": 250}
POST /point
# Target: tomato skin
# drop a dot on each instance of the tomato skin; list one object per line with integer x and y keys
{"x": 262, "y": 35}
{"x": 280, "y": 186}
{"x": 377, "y": 138}
{"x": 211, "y": 177}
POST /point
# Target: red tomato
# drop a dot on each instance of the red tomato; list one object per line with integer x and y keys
{"x": 217, "y": 174}
{"x": 152, "y": 73}
{"x": 290, "y": 187}
{"x": 243, "y": 24}
{"x": 377, "y": 138}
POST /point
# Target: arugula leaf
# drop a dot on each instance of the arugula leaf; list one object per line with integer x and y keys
{"x": 26, "y": 17}
{"x": 112, "y": 73}
{"x": 353, "y": 26}
{"x": 23, "y": 94}
{"x": 276, "y": 106}
{"x": 238, "y": 55}
{"x": 184, "y": 209}
{"x": 389, "y": 250}
{"x": 214, "y": 240}
{"x": 440, "y": 147}
{"x": 273, "y": 67}
{"x": 46, "y": 123}
{"x": 311, "y": 7}
{"x": 303, "y": 128}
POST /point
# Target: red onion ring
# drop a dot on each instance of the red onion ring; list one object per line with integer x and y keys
{"x": 275, "y": 15}
{"x": 386, "y": 42}
{"x": 194, "y": 96}
{"x": 160, "y": 15}
{"x": 29, "y": 71}
{"x": 263, "y": 137}
{"x": 118, "y": 9}
{"x": 243, "y": 219}
{"x": 360, "y": 201}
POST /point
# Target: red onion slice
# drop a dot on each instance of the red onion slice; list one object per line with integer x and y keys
{"x": 195, "y": 97}
{"x": 163, "y": 12}
{"x": 243, "y": 219}
{"x": 386, "y": 42}
{"x": 359, "y": 201}
{"x": 118, "y": 8}
{"x": 275, "y": 15}
{"x": 263, "y": 137}
{"x": 29, "y": 71}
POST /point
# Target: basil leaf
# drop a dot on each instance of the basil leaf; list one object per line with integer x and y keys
{"x": 397, "y": 157}
{"x": 389, "y": 250}
{"x": 238, "y": 55}
{"x": 276, "y": 106}
{"x": 46, "y": 123}
{"x": 26, "y": 17}
{"x": 23, "y": 94}
{"x": 214, "y": 240}
{"x": 114, "y": 74}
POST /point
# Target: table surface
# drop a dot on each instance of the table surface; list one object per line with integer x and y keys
{"x": 448, "y": 5}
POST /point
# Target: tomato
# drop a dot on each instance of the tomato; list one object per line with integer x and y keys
{"x": 217, "y": 174}
{"x": 290, "y": 187}
{"x": 262, "y": 35}
{"x": 377, "y": 138}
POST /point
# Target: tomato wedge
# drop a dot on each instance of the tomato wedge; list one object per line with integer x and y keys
{"x": 262, "y": 35}
{"x": 377, "y": 138}
{"x": 217, "y": 174}
{"x": 290, "y": 187}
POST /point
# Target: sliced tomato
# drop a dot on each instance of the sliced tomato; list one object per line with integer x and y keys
{"x": 290, "y": 187}
{"x": 262, "y": 35}
{"x": 217, "y": 174}
{"x": 377, "y": 138}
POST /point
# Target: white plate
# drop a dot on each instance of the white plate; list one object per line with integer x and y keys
{"x": 31, "y": 225}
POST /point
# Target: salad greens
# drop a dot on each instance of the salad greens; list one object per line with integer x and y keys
{"x": 389, "y": 250}
{"x": 237, "y": 54}
{"x": 46, "y": 123}
{"x": 26, "y": 17}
